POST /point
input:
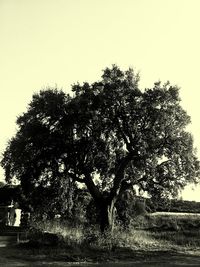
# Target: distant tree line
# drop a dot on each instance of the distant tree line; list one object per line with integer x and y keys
{"x": 175, "y": 205}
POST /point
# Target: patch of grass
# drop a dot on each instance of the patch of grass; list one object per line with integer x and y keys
{"x": 185, "y": 239}
{"x": 149, "y": 232}
{"x": 70, "y": 235}
{"x": 167, "y": 221}
{"x": 92, "y": 238}
{"x": 53, "y": 240}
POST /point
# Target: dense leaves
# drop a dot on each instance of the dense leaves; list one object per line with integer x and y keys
{"x": 109, "y": 136}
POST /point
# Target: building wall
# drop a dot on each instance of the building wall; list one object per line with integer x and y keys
{"x": 10, "y": 216}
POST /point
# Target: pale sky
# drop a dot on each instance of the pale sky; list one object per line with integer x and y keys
{"x": 59, "y": 42}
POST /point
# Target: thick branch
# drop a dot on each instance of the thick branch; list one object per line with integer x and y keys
{"x": 123, "y": 134}
{"x": 119, "y": 176}
{"x": 94, "y": 191}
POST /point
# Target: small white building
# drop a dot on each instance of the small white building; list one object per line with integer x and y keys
{"x": 10, "y": 214}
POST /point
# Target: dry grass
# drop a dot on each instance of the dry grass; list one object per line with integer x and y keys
{"x": 89, "y": 245}
{"x": 151, "y": 232}
{"x": 92, "y": 238}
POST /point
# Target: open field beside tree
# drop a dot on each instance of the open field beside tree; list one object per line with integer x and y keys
{"x": 61, "y": 244}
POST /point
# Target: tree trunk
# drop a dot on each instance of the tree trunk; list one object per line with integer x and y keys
{"x": 107, "y": 213}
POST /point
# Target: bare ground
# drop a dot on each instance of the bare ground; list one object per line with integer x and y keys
{"x": 20, "y": 256}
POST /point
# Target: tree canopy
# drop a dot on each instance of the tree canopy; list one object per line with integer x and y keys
{"x": 109, "y": 136}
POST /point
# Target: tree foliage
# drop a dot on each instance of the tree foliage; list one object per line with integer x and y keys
{"x": 109, "y": 136}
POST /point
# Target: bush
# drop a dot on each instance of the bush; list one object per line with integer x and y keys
{"x": 38, "y": 238}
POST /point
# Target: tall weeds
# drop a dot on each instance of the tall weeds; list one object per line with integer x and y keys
{"x": 145, "y": 232}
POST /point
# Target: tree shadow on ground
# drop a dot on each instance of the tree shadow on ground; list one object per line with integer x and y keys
{"x": 13, "y": 256}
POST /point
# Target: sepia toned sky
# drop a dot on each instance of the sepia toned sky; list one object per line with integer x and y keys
{"x": 59, "y": 42}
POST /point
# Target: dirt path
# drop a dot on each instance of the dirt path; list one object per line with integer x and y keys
{"x": 13, "y": 257}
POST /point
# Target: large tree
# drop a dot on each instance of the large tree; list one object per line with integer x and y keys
{"x": 109, "y": 136}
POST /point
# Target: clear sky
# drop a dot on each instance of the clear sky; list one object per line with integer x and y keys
{"x": 59, "y": 42}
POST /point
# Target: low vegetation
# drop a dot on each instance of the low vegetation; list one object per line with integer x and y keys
{"x": 146, "y": 232}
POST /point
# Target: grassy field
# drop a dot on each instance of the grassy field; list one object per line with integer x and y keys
{"x": 152, "y": 231}
{"x": 153, "y": 234}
